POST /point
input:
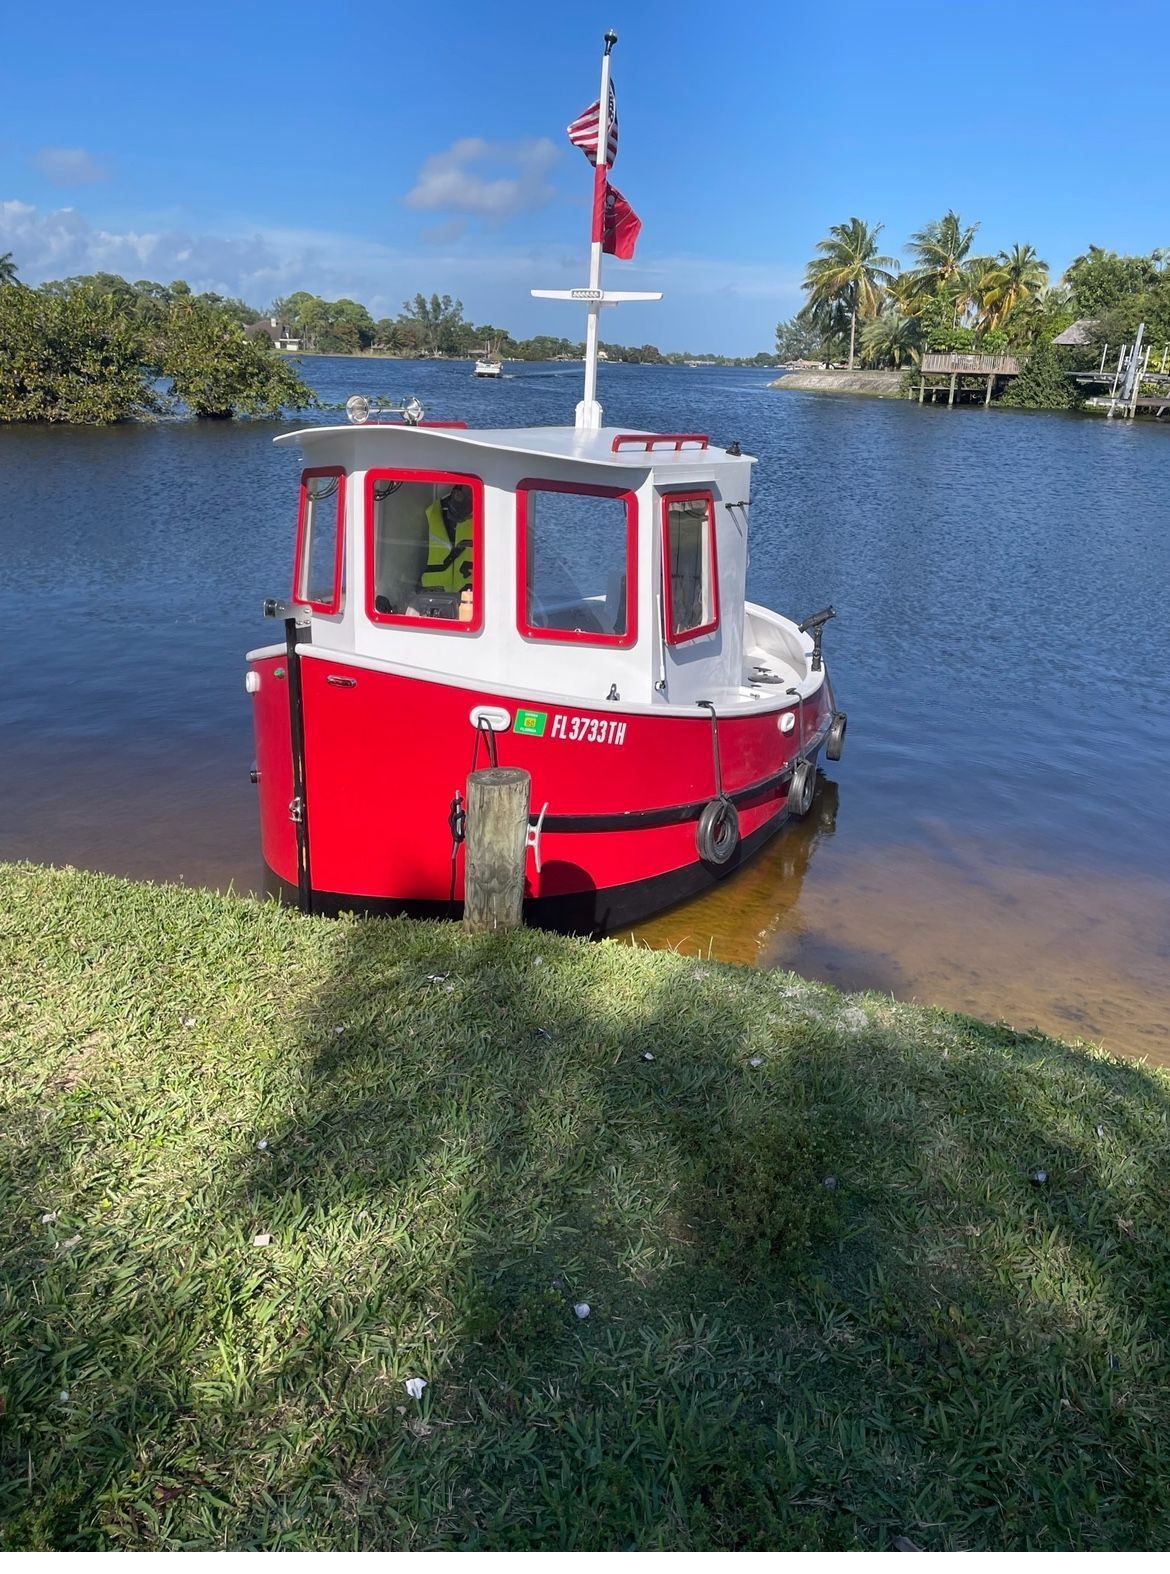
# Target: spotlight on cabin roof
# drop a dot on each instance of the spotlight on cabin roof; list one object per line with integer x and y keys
{"x": 358, "y": 409}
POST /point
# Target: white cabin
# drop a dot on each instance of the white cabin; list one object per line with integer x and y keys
{"x": 567, "y": 595}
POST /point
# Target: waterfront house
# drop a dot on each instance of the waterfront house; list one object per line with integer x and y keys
{"x": 278, "y": 331}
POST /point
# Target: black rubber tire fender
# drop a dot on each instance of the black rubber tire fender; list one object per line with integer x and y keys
{"x": 718, "y": 835}
{"x": 835, "y": 741}
{"x": 801, "y": 788}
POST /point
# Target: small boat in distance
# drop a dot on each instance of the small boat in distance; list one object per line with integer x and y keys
{"x": 488, "y": 363}
{"x": 570, "y": 600}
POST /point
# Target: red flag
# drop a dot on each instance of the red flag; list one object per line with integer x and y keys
{"x": 583, "y": 133}
{"x": 621, "y": 225}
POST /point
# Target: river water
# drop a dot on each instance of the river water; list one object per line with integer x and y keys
{"x": 996, "y": 838}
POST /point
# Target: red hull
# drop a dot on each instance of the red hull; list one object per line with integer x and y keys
{"x": 385, "y": 754}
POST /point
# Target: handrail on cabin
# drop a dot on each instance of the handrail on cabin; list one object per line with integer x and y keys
{"x": 650, "y": 441}
{"x": 462, "y": 425}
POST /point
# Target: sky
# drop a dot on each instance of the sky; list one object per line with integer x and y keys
{"x": 374, "y": 151}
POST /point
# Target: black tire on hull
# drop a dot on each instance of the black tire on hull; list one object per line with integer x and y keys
{"x": 718, "y": 833}
{"x": 835, "y": 741}
{"x": 802, "y": 788}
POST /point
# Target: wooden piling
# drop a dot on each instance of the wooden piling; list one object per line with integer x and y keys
{"x": 951, "y": 396}
{"x": 496, "y": 848}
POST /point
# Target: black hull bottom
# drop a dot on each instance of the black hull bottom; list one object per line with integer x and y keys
{"x": 593, "y": 913}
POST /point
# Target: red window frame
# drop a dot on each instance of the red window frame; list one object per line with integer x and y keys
{"x": 299, "y": 561}
{"x": 704, "y": 628}
{"x": 441, "y": 478}
{"x": 576, "y": 636}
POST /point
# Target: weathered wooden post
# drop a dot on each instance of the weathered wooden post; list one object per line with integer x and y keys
{"x": 951, "y": 399}
{"x": 496, "y": 848}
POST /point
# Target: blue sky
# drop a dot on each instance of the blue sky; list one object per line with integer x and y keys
{"x": 373, "y": 151}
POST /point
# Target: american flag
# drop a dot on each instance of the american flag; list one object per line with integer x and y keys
{"x": 583, "y": 132}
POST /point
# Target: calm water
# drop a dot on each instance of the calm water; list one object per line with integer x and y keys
{"x": 996, "y": 838}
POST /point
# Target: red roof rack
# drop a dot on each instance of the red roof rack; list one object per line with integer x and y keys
{"x": 652, "y": 440}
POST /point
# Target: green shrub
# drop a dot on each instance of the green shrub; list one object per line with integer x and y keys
{"x": 70, "y": 358}
{"x": 1044, "y": 384}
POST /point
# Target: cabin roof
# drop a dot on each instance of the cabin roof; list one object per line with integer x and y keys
{"x": 540, "y": 442}
{"x": 1079, "y": 332}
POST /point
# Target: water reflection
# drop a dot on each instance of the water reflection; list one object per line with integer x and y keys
{"x": 738, "y": 918}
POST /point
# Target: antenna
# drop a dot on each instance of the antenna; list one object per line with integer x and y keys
{"x": 589, "y": 412}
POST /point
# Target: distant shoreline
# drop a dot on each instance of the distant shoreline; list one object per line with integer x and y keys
{"x": 508, "y": 360}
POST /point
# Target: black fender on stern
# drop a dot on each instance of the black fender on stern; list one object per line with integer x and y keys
{"x": 718, "y": 834}
{"x": 802, "y": 787}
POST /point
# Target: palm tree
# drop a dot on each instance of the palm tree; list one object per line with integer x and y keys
{"x": 1015, "y": 279}
{"x": 977, "y": 284}
{"x": 850, "y": 271}
{"x": 7, "y": 269}
{"x": 891, "y": 339}
{"x": 828, "y": 319}
{"x": 941, "y": 249}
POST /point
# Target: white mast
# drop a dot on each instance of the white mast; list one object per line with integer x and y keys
{"x": 589, "y": 411}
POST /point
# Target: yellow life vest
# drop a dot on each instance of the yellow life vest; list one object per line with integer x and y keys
{"x": 448, "y": 557}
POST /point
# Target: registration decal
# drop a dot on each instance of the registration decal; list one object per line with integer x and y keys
{"x": 531, "y": 722}
{"x": 587, "y": 729}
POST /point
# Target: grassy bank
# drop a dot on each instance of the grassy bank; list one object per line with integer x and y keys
{"x": 832, "y": 1299}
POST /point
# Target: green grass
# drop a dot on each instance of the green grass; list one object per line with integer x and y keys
{"x": 830, "y": 1306}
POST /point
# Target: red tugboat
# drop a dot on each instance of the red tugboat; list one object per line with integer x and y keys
{"x": 569, "y": 600}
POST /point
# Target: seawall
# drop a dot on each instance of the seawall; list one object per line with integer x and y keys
{"x": 881, "y": 385}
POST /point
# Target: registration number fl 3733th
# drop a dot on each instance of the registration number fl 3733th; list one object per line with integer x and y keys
{"x": 588, "y": 729}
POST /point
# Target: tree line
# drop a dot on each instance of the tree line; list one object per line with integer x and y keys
{"x": 436, "y": 325}
{"x": 97, "y": 349}
{"x": 864, "y": 306}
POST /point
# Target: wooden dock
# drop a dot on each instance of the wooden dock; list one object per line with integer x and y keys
{"x": 1127, "y": 380}
{"x": 1157, "y": 405}
{"x": 944, "y": 369}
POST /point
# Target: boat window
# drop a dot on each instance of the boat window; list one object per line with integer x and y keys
{"x": 424, "y": 549}
{"x": 578, "y": 563}
{"x": 318, "y": 573}
{"x": 689, "y": 565}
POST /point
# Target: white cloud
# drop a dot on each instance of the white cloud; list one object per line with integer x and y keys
{"x": 710, "y": 303}
{"x": 69, "y": 166}
{"x": 445, "y": 234}
{"x": 58, "y": 244}
{"x": 454, "y": 182}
